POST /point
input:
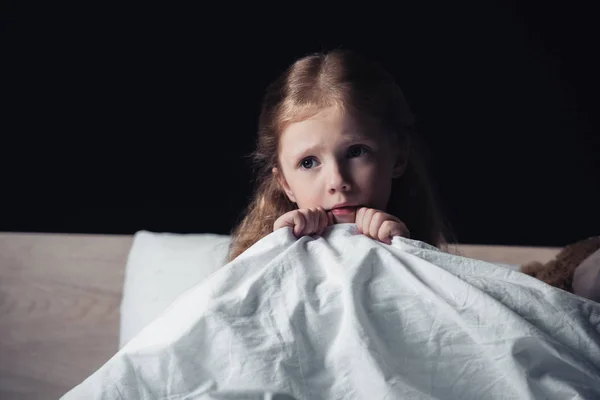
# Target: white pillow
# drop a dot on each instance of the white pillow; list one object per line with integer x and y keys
{"x": 160, "y": 267}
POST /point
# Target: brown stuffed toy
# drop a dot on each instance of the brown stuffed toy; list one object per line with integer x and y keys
{"x": 575, "y": 269}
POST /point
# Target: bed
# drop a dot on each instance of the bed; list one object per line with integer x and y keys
{"x": 64, "y": 297}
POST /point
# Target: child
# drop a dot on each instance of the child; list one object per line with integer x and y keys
{"x": 337, "y": 144}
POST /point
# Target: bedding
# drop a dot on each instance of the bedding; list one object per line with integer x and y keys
{"x": 160, "y": 267}
{"x": 344, "y": 316}
{"x": 163, "y": 265}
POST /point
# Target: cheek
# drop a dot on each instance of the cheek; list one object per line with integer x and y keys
{"x": 376, "y": 180}
{"x": 305, "y": 190}
{"x": 372, "y": 174}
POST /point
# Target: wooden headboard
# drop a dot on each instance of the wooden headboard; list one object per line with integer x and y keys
{"x": 60, "y": 296}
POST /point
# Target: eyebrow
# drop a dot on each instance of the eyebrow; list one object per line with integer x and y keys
{"x": 351, "y": 138}
{"x": 298, "y": 155}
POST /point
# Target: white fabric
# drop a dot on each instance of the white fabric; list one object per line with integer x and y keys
{"x": 514, "y": 267}
{"x": 160, "y": 267}
{"x": 345, "y": 317}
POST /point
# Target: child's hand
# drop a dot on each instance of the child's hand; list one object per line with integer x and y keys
{"x": 379, "y": 225}
{"x": 305, "y": 221}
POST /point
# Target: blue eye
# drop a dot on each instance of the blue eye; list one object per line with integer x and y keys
{"x": 308, "y": 163}
{"x": 357, "y": 151}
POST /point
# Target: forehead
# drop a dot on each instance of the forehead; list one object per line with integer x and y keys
{"x": 327, "y": 125}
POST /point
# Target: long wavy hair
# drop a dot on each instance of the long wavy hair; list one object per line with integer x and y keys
{"x": 354, "y": 84}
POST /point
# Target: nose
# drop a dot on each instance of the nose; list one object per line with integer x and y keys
{"x": 338, "y": 181}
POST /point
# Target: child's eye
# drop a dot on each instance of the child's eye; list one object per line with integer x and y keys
{"x": 357, "y": 151}
{"x": 308, "y": 163}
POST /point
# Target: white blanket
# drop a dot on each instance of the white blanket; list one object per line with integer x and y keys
{"x": 345, "y": 317}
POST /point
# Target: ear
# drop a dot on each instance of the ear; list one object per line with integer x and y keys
{"x": 401, "y": 156}
{"x": 283, "y": 184}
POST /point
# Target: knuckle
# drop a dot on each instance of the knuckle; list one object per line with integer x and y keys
{"x": 387, "y": 224}
{"x": 371, "y": 213}
{"x": 379, "y": 218}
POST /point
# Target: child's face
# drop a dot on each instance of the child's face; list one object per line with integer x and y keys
{"x": 328, "y": 160}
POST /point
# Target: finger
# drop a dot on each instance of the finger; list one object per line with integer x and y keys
{"x": 286, "y": 219}
{"x": 366, "y": 224}
{"x": 279, "y": 223}
{"x": 358, "y": 220}
{"x": 390, "y": 229}
{"x": 385, "y": 232}
{"x": 330, "y": 219}
{"x": 312, "y": 225}
{"x": 316, "y": 220}
{"x": 322, "y": 220}
{"x": 307, "y": 221}
{"x": 400, "y": 229}
{"x": 299, "y": 223}
{"x": 316, "y": 216}
{"x": 376, "y": 221}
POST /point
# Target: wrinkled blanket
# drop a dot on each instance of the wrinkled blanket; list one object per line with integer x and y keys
{"x": 343, "y": 316}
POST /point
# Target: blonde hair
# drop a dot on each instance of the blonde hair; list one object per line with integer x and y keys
{"x": 345, "y": 80}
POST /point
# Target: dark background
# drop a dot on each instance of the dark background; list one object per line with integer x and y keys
{"x": 117, "y": 119}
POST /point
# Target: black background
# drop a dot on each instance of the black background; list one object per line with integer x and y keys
{"x": 119, "y": 119}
